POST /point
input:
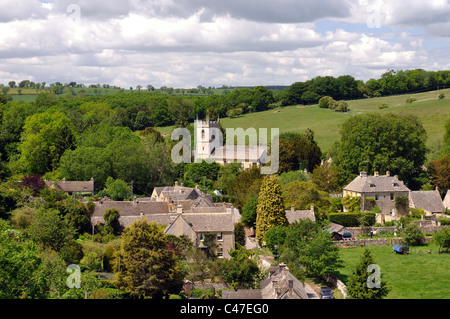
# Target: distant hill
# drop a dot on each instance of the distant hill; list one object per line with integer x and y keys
{"x": 325, "y": 123}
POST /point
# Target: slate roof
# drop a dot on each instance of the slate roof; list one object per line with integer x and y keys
{"x": 72, "y": 186}
{"x": 376, "y": 184}
{"x": 281, "y": 284}
{"x": 295, "y": 215}
{"x": 177, "y": 193}
{"x": 209, "y": 222}
{"x": 131, "y": 208}
{"x": 427, "y": 200}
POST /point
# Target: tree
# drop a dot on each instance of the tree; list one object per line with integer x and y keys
{"x": 442, "y": 238}
{"x": 44, "y": 139}
{"x": 382, "y": 142}
{"x": 302, "y": 195}
{"x": 440, "y": 173}
{"x": 146, "y": 268}
{"x": 111, "y": 217}
{"x": 326, "y": 177}
{"x": 116, "y": 189}
{"x": 359, "y": 284}
{"x": 270, "y": 210}
{"x": 49, "y": 229}
{"x": 245, "y": 186}
{"x": 412, "y": 235}
{"x": 249, "y": 212}
{"x": 320, "y": 256}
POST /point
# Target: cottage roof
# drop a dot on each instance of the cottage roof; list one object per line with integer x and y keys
{"x": 427, "y": 200}
{"x": 72, "y": 186}
{"x": 209, "y": 222}
{"x": 376, "y": 184}
{"x": 131, "y": 208}
{"x": 281, "y": 284}
{"x": 295, "y": 215}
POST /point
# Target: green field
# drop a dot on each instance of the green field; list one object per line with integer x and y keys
{"x": 412, "y": 276}
{"x": 326, "y": 123}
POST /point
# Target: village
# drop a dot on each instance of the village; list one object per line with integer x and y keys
{"x": 191, "y": 213}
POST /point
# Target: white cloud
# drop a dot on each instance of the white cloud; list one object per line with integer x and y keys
{"x": 186, "y": 43}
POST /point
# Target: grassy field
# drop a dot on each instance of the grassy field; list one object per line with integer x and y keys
{"x": 412, "y": 276}
{"x": 326, "y": 124}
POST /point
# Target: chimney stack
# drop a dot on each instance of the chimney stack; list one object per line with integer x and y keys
{"x": 312, "y": 208}
{"x": 396, "y": 176}
{"x": 292, "y": 208}
{"x": 376, "y": 173}
{"x": 176, "y": 183}
{"x": 179, "y": 209}
{"x": 362, "y": 174}
{"x": 388, "y": 173}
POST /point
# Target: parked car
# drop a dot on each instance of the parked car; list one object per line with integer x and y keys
{"x": 326, "y": 293}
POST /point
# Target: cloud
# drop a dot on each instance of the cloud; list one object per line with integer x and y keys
{"x": 182, "y": 43}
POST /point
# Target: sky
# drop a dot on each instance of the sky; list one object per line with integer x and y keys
{"x": 187, "y": 43}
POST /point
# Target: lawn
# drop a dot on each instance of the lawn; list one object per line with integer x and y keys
{"x": 412, "y": 276}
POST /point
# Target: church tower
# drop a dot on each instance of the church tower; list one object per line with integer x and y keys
{"x": 207, "y": 135}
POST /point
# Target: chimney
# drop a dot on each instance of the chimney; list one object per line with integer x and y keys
{"x": 135, "y": 200}
{"x": 376, "y": 173}
{"x": 179, "y": 209}
{"x": 396, "y": 176}
{"x": 388, "y": 173}
{"x": 312, "y": 209}
{"x": 292, "y": 208}
{"x": 64, "y": 180}
{"x": 362, "y": 174}
{"x": 176, "y": 183}
{"x": 196, "y": 186}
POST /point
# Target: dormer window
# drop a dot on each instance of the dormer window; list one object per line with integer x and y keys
{"x": 372, "y": 185}
{"x": 395, "y": 184}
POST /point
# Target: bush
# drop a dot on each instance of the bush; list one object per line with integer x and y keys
{"x": 441, "y": 96}
{"x": 412, "y": 235}
{"x": 444, "y": 222}
{"x": 325, "y": 102}
{"x": 383, "y": 106}
{"x": 345, "y": 219}
{"x": 410, "y": 100}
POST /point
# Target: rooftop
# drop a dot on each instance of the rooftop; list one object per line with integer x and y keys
{"x": 376, "y": 184}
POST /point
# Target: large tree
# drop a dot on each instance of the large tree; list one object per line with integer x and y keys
{"x": 145, "y": 267}
{"x": 270, "y": 210}
{"x": 44, "y": 139}
{"x": 382, "y": 142}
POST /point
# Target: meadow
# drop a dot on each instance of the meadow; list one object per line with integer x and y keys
{"x": 413, "y": 276}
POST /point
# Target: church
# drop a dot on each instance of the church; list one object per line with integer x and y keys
{"x": 209, "y": 145}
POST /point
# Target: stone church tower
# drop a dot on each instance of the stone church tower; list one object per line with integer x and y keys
{"x": 208, "y": 137}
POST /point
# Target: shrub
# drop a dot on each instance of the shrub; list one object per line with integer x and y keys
{"x": 325, "y": 102}
{"x": 412, "y": 234}
{"x": 341, "y": 106}
{"x": 345, "y": 219}
{"x": 383, "y": 106}
{"x": 411, "y": 100}
{"x": 441, "y": 96}
{"x": 444, "y": 222}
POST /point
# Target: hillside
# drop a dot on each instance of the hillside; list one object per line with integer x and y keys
{"x": 326, "y": 123}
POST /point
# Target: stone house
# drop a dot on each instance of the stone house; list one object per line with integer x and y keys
{"x": 381, "y": 188}
{"x": 191, "y": 217}
{"x": 73, "y": 187}
{"x": 446, "y": 201}
{"x": 429, "y": 201}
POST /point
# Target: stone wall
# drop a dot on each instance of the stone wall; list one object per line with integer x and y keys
{"x": 362, "y": 242}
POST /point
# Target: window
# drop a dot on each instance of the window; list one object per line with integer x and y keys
{"x": 203, "y": 134}
{"x": 392, "y": 196}
{"x": 200, "y": 236}
{"x": 220, "y": 253}
{"x": 219, "y": 236}
{"x": 376, "y": 196}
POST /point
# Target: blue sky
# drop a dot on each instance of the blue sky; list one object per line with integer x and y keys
{"x": 186, "y": 43}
